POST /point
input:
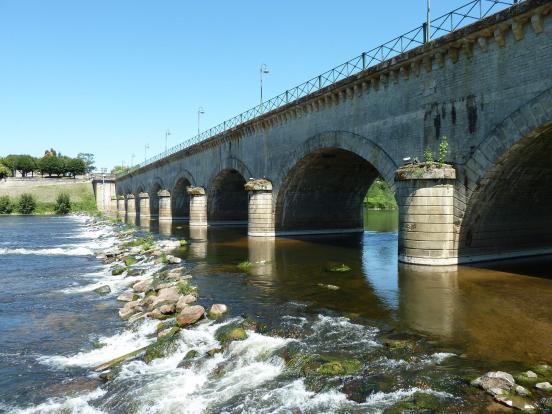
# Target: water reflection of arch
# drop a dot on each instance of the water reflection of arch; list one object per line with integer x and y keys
{"x": 429, "y": 298}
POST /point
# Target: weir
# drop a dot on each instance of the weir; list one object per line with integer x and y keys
{"x": 303, "y": 165}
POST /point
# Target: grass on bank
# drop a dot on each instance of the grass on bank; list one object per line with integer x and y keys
{"x": 28, "y": 204}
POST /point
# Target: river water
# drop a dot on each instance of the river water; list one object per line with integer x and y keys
{"x": 457, "y": 324}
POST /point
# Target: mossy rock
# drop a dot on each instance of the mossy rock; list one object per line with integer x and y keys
{"x": 418, "y": 402}
{"x": 183, "y": 243}
{"x": 118, "y": 270}
{"x": 245, "y": 266}
{"x": 338, "y": 268}
{"x": 214, "y": 351}
{"x": 543, "y": 370}
{"x": 160, "y": 326}
{"x": 186, "y": 288}
{"x": 191, "y": 354}
{"x": 229, "y": 333}
{"x": 135, "y": 271}
{"x": 526, "y": 381}
{"x": 323, "y": 365}
{"x": 161, "y": 348}
{"x": 131, "y": 260}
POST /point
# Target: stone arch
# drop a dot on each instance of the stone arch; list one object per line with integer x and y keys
{"x": 343, "y": 140}
{"x": 507, "y": 188}
{"x": 227, "y": 200}
{"x": 180, "y": 200}
{"x": 232, "y": 163}
{"x": 322, "y": 187}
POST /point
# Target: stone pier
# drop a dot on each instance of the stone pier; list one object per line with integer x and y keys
{"x": 198, "y": 206}
{"x": 165, "y": 213}
{"x": 261, "y": 216}
{"x": 113, "y": 207}
{"x": 144, "y": 201}
{"x": 121, "y": 207}
{"x": 426, "y": 215}
{"x": 131, "y": 207}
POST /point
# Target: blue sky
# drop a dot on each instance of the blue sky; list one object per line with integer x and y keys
{"x": 109, "y": 76}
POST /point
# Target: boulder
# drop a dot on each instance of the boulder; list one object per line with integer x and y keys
{"x": 190, "y": 315}
{"x": 142, "y": 286}
{"x": 135, "y": 271}
{"x": 156, "y": 314}
{"x": 515, "y": 401}
{"x": 130, "y": 309}
{"x": 117, "y": 270}
{"x": 173, "y": 260}
{"x": 544, "y": 386}
{"x": 103, "y": 290}
{"x": 165, "y": 333}
{"x": 167, "y": 309}
{"x": 166, "y": 296}
{"x": 520, "y": 390}
{"x": 184, "y": 302}
{"x": 217, "y": 310}
{"x": 495, "y": 383}
{"x": 127, "y": 297}
{"x": 229, "y": 333}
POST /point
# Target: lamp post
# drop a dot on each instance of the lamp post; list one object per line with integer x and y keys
{"x": 146, "y": 147}
{"x": 263, "y": 71}
{"x": 132, "y": 159}
{"x": 200, "y": 111}
{"x": 167, "y": 133}
{"x": 427, "y": 25}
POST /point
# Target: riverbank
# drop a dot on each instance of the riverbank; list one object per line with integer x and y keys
{"x": 157, "y": 347}
{"x": 46, "y": 190}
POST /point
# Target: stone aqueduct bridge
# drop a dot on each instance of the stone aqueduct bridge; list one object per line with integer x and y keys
{"x": 305, "y": 167}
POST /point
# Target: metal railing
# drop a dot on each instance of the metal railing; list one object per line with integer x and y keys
{"x": 441, "y": 26}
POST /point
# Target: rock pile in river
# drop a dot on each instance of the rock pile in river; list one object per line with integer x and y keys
{"x": 166, "y": 295}
{"x": 533, "y": 391}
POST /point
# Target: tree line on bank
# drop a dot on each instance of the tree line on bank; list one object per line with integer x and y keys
{"x": 51, "y": 163}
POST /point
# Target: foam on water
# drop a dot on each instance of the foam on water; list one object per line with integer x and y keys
{"x": 77, "y": 405}
{"x": 114, "y": 346}
{"x": 56, "y": 251}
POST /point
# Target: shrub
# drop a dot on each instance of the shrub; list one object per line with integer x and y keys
{"x": 6, "y": 206}
{"x": 26, "y": 204}
{"x": 428, "y": 155}
{"x": 443, "y": 150}
{"x": 63, "y": 204}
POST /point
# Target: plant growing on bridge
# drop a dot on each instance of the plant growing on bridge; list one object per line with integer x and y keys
{"x": 63, "y": 204}
{"x": 26, "y": 204}
{"x": 428, "y": 156}
{"x": 443, "y": 151}
{"x": 6, "y": 206}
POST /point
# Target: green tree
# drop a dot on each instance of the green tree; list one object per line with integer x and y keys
{"x": 63, "y": 204}
{"x": 26, "y": 204}
{"x": 50, "y": 164}
{"x": 4, "y": 171}
{"x": 6, "y": 206}
{"x": 75, "y": 166}
{"x": 9, "y": 161}
{"x": 25, "y": 164}
{"x": 88, "y": 160}
{"x": 119, "y": 169}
